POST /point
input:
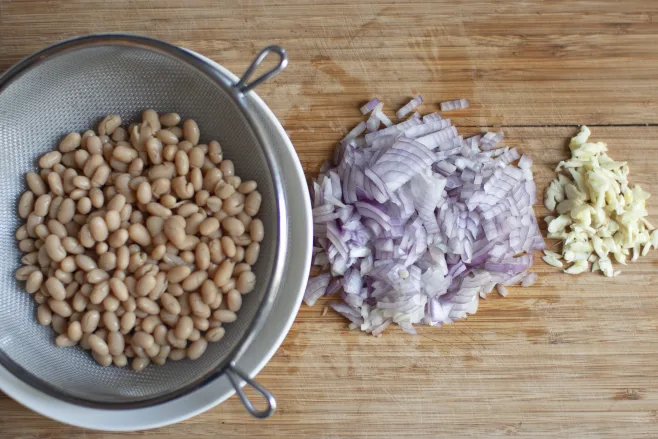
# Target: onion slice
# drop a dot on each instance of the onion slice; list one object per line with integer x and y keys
{"x": 370, "y": 106}
{"x": 459, "y": 104}
{"x": 316, "y": 288}
{"x": 384, "y": 119}
{"x": 356, "y": 131}
{"x": 409, "y": 107}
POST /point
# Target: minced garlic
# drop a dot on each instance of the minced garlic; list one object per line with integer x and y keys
{"x": 597, "y": 215}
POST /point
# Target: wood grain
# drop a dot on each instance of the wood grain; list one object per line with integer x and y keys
{"x": 571, "y": 356}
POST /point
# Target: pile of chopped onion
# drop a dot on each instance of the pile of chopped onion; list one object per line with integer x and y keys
{"x": 413, "y": 224}
{"x": 598, "y": 215}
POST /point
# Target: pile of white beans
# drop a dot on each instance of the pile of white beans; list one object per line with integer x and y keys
{"x": 138, "y": 243}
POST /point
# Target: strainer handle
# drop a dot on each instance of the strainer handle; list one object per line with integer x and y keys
{"x": 242, "y": 84}
{"x": 234, "y": 375}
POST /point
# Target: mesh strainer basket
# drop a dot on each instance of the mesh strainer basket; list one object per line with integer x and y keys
{"x": 71, "y": 86}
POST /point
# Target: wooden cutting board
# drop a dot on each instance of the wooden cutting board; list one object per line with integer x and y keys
{"x": 570, "y": 357}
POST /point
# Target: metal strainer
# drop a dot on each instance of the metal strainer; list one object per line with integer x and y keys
{"x": 71, "y": 86}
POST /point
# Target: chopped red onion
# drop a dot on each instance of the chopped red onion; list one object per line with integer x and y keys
{"x": 491, "y": 140}
{"x": 529, "y": 280}
{"x": 316, "y": 288}
{"x": 418, "y": 224}
{"x": 525, "y": 162}
{"x": 370, "y": 106}
{"x": 373, "y": 121}
{"x": 321, "y": 259}
{"x": 333, "y": 287}
{"x": 384, "y": 118}
{"x": 356, "y": 131}
{"x": 348, "y": 312}
{"x": 409, "y": 107}
{"x": 426, "y": 128}
{"x": 414, "y": 156}
{"x": 437, "y": 138}
{"x": 459, "y": 104}
{"x": 432, "y": 117}
{"x": 393, "y": 130}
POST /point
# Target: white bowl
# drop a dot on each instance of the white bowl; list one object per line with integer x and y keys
{"x": 268, "y": 339}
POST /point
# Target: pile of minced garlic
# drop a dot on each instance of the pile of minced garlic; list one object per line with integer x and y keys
{"x": 597, "y": 215}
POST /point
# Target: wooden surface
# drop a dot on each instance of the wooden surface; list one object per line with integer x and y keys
{"x": 570, "y": 357}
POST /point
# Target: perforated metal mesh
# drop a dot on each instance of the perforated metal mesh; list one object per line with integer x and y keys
{"x": 73, "y": 91}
